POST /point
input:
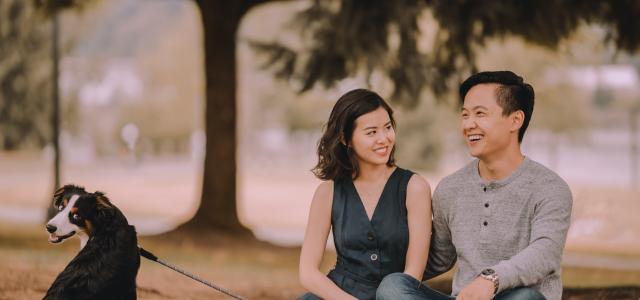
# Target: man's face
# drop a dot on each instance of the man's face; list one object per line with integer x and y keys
{"x": 484, "y": 128}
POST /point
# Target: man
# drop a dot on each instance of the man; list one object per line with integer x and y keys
{"x": 503, "y": 217}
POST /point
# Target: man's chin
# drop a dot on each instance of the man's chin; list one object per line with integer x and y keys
{"x": 475, "y": 153}
{"x": 477, "y": 149}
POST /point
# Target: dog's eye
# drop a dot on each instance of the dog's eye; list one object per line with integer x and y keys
{"x": 60, "y": 207}
{"x": 76, "y": 217}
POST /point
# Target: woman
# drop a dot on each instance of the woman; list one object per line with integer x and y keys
{"x": 380, "y": 214}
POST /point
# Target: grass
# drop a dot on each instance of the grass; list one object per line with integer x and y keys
{"x": 251, "y": 268}
{"x": 604, "y": 224}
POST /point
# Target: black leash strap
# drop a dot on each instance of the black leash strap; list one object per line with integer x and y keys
{"x": 148, "y": 255}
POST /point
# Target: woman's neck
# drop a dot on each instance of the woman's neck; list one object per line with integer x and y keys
{"x": 374, "y": 173}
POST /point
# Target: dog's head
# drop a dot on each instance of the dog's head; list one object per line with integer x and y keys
{"x": 78, "y": 211}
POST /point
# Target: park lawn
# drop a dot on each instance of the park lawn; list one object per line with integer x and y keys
{"x": 253, "y": 269}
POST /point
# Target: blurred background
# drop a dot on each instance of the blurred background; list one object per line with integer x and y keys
{"x": 199, "y": 119}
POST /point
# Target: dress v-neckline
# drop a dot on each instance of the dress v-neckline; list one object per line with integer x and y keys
{"x": 375, "y": 209}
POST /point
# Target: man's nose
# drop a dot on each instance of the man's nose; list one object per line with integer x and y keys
{"x": 51, "y": 228}
{"x": 468, "y": 123}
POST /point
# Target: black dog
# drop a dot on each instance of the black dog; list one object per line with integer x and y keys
{"x": 108, "y": 261}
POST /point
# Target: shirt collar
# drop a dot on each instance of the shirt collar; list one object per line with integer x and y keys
{"x": 494, "y": 184}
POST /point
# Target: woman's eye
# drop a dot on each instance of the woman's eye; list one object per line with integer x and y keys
{"x": 76, "y": 217}
{"x": 371, "y": 133}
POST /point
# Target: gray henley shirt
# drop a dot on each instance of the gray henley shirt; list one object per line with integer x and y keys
{"x": 516, "y": 226}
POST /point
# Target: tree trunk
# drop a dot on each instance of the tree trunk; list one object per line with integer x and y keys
{"x": 633, "y": 145}
{"x": 218, "y": 210}
{"x": 55, "y": 117}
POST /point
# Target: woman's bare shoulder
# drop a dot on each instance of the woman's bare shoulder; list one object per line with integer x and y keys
{"x": 418, "y": 184}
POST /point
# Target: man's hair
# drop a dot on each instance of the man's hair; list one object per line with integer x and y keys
{"x": 512, "y": 94}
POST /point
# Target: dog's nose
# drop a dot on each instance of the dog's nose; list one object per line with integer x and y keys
{"x": 51, "y": 228}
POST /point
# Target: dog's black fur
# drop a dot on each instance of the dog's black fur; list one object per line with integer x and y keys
{"x": 107, "y": 266}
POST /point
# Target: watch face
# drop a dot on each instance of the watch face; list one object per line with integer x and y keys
{"x": 488, "y": 272}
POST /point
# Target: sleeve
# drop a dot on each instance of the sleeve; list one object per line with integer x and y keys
{"x": 543, "y": 256}
{"x": 442, "y": 253}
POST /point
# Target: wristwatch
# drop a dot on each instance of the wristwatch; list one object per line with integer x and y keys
{"x": 491, "y": 275}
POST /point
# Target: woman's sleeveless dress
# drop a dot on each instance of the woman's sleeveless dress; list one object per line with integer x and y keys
{"x": 368, "y": 250}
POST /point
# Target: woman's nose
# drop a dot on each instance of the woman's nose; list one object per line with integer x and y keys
{"x": 384, "y": 137}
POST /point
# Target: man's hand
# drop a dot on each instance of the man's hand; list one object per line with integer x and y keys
{"x": 478, "y": 289}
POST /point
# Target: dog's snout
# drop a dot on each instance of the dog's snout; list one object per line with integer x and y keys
{"x": 51, "y": 228}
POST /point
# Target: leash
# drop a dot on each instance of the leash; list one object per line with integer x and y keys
{"x": 148, "y": 255}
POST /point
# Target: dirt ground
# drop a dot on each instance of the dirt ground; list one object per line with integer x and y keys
{"x": 250, "y": 268}
{"x": 274, "y": 205}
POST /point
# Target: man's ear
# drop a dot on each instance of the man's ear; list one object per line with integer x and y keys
{"x": 517, "y": 119}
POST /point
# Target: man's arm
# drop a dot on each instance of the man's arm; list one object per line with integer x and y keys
{"x": 442, "y": 253}
{"x": 549, "y": 228}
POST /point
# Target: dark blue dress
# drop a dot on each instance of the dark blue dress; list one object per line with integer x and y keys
{"x": 368, "y": 250}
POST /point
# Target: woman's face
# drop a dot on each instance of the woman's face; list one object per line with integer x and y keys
{"x": 373, "y": 137}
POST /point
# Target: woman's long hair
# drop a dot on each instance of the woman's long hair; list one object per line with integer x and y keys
{"x": 336, "y": 159}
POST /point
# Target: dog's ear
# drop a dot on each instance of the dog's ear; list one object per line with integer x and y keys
{"x": 104, "y": 217}
{"x": 57, "y": 197}
{"x": 91, "y": 209}
{"x": 86, "y": 206}
{"x": 102, "y": 202}
{"x": 71, "y": 188}
{"x": 59, "y": 194}
{"x": 105, "y": 212}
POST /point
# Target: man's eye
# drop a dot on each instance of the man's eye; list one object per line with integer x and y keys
{"x": 76, "y": 217}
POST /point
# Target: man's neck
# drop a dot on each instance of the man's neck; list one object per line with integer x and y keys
{"x": 500, "y": 166}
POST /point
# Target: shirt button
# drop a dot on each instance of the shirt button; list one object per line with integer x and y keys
{"x": 374, "y": 257}
{"x": 485, "y": 223}
{"x": 486, "y": 205}
{"x": 370, "y": 236}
